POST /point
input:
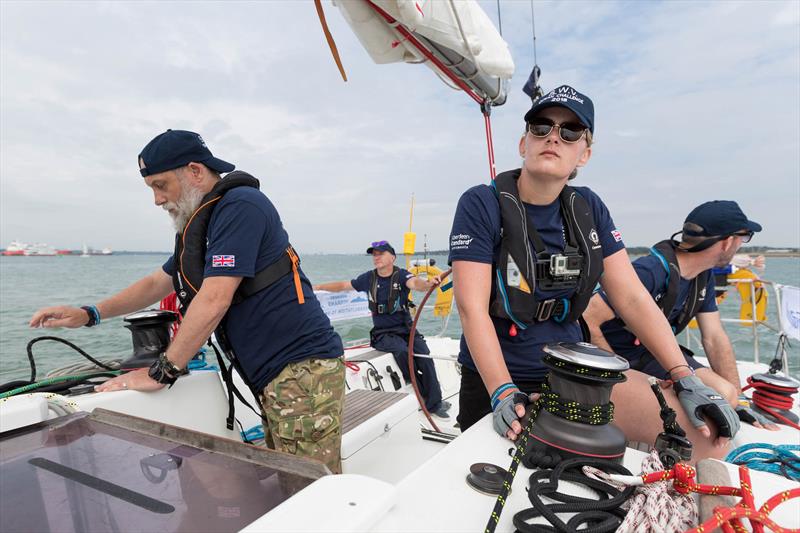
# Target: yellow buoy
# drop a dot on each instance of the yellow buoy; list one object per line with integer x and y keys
{"x": 443, "y": 303}
{"x": 745, "y": 292}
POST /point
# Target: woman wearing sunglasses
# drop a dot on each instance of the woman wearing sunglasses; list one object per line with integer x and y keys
{"x": 527, "y": 253}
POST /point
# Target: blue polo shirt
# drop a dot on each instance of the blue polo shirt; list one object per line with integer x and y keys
{"x": 399, "y": 320}
{"x": 270, "y": 328}
{"x": 653, "y": 276}
{"x": 476, "y": 237}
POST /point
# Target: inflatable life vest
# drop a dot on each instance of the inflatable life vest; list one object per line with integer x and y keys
{"x": 521, "y": 246}
{"x": 444, "y": 299}
{"x": 665, "y": 252}
{"x": 394, "y": 302}
{"x": 190, "y": 250}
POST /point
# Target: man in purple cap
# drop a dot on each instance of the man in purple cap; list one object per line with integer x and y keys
{"x": 678, "y": 275}
{"x": 236, "y": 275}
{"x": 387, "y": 288}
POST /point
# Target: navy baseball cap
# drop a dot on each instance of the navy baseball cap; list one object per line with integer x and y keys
{"x": 176, "y": 148}
{"x": 717, "y": 218}
{"x": 381, "y": 246}
{"x": 566, "y": 96}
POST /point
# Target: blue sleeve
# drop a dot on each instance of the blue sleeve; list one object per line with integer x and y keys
{"x": 710, "y": 302}
{"x": 610, "y": 237}
{"x": 361, "y": 283}
{"x": 650, "y": 273}
{"x": 169, "y": 266}
{"x": 476, "y": 226}
{"x": 405, "y": 275}
{"x": 235, "y": 235}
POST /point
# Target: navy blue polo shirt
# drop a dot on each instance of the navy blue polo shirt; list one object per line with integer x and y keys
{"x": 270, "y": 328}
{"x": 476, "y": 237}
{"x": 653, "y": 276}
{"x": 399, "y": 320}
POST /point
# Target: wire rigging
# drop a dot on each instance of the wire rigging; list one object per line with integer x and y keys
{"x": 533, "y": 30}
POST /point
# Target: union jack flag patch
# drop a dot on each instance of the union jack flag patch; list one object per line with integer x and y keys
{"x": 617, "y": 235}
{"x": 223, "y": 261}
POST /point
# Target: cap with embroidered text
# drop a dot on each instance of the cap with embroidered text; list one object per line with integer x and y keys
{"x": 567, "y": 97}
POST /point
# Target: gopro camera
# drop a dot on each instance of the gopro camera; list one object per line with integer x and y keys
{"x": 565, "y": 266}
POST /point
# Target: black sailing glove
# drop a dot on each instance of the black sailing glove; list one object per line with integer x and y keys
{"x": 748, "y": 415}
{"x": 699, "y": 400}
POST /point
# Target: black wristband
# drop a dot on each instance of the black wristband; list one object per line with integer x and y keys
{"x": 163, "y": 371}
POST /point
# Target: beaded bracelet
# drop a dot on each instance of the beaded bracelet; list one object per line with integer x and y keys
{"x": 94, "y": 315}
{"x": 495, "y": 400}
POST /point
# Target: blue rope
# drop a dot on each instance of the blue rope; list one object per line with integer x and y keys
{"x": 780, "y": 459}
{"x": 199, "y": 362}
{"x": 253, "y": 434}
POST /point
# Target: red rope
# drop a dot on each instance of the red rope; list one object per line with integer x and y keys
{"x": 170, "y": 303}
{"x": 489, "y": 144}
{"x": 728, "y": 518}
{"x": 767, "y": 397}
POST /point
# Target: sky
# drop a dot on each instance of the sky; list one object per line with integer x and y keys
{"x": 694, "y": 101}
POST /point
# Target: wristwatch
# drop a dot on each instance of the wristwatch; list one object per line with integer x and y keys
{"x": 164, "y": 371}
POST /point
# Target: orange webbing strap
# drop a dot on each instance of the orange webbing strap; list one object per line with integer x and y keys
{"x": 301, "y": 299}
{"x": 329, "y": 38}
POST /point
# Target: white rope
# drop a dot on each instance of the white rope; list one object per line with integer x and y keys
{"x": 654, "y": 507}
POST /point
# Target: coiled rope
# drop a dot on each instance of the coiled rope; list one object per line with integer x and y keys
{"x": 769, "y": 397}
{"x": 727, "y": 518}
{"x": 601, "y": 515}
{"x": 782, "y": 459}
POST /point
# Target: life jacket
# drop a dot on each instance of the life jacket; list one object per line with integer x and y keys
{"x": 665, "y": 252}
{"x": 522, "y": 244}
{"x": 191, "y": 246}
{"x": 394, "y": 302}
{"x": 190, "y": 259}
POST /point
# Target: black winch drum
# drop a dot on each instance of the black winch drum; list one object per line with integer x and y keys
{"x": 486, "y": 478}
{"x": 583, "y": 373}
{"x": 150, "y": 335}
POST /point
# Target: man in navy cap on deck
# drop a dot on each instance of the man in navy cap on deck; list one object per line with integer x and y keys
{"x": 387, "y": 288}
{"x": 236, "y": 275}
{"x": 678, "y": 274}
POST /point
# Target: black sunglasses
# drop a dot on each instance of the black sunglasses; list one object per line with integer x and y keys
{"x": 708, "y": 243}
{"x": 569, "y": 132}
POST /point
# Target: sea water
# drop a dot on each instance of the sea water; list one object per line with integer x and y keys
{"x": 28, "y": 283}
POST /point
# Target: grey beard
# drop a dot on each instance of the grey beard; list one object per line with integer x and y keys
{"x": 186, "y": 205}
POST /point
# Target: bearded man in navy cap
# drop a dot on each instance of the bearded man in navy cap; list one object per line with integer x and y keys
{"x": 679, "y": 277}
{"x": 235, "y": 274}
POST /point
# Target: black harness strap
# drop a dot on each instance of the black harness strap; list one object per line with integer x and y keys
{"x": 666, "y": 300}
{"x": 393, "y": 299}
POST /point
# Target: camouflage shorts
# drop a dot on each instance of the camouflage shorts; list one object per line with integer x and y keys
{"x": 303, "y": 405}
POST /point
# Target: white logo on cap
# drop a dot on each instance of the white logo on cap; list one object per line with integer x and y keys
{"x": 202, "y": 142}
{"x": 564, "y": 93}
